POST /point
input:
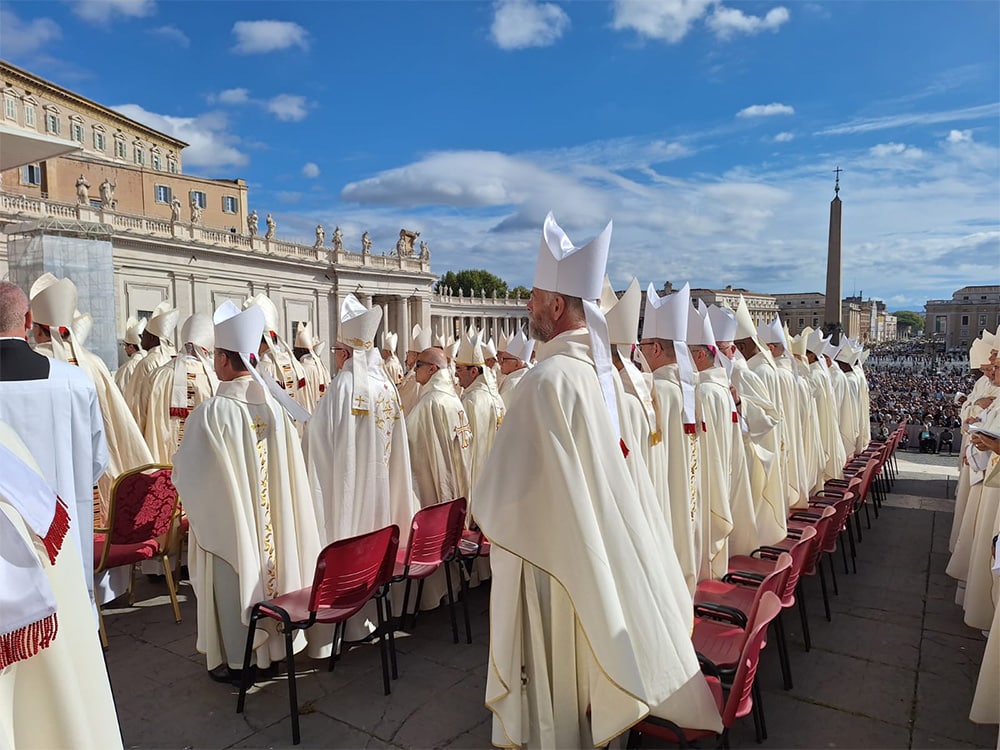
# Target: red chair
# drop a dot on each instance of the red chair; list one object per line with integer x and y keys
{"x": 435, "y": 534}
{"x": 142, "y": 523}
{"x": 742, "y": 694}
{"x": 825, "y": 532}
{"x": 349, "y": 573}
{"x": 761, "y": 562}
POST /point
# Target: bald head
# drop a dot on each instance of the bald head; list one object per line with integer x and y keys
{"x": 434, "y": 356}
{"x": 15, "y": 317}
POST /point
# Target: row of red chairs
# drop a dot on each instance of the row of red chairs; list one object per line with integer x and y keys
{"x": 732, "y": 615}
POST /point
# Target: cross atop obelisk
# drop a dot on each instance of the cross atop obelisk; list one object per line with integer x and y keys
{"x": 831, "y": 314}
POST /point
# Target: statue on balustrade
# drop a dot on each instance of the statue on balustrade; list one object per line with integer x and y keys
{"x": 404, "y": 245}
{"x": 175, "y": 210}
{"x": 269, "y": 221}
{"x": 320, "y": 236}
{"x": 108, "y": 193}
{"x": 425, "y": 253}
{"x": 366, "y": 244}
{"x": 196, "y": 210}
{"x": 252, "y": 223}
{"x": 82, "y": 190}
{"x": 338, "y": 240}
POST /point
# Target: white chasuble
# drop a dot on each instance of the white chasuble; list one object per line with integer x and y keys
{"x": 317, "y": 377}
{"x": 509, "y": 382}
{"x": 484, "y": 409}
{"x": 798, "y": 484}
{"x": 847, "y": 418}
{"x": 124, "y": 373}
{"x": 246, "y": 492}
{"x": 137, "y": 388}
{"x": 986, "y": 701}
{"x": 826, "y": 411}
{"x": 165, "y": 423}
{"x": 581, "y": 613}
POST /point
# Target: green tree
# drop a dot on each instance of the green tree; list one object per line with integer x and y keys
{"x": 909, "y": 318}
{"x": 472, "y": 281}
{"x": 520, "y": 292}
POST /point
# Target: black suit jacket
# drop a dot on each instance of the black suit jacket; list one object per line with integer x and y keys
{"x": 19, "y": 362}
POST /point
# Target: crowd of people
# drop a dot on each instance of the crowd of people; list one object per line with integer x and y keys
{"x": 610, "y": 468}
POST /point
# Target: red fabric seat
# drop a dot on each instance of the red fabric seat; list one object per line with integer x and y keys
{"x": 126, "y": 554}
{"x": 349, "y": 573}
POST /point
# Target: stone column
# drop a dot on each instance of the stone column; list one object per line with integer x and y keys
{"x": 402, "y": 326}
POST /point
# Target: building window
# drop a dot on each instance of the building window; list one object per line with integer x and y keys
{"x": 802, "y": 323}
{"x": 156, "y": 162}
{"x": 172, "y": 166}
{"x": 965, "y": 320}
{"x": 230, "y": 205}
{"x": 982, "y": 321}
{"x": 9, "y": 108}
{"x": 139, "y": 156}
{"x": 76, "y": 132}
{"x": 29, "y": 115}
{"x": 815, "y": 322}
{"x": 52, "y": 123}
{"x": 99, "y": 141}
{"x": 198, "y": 197}
{"x": 940, "y": 324}
{"x": 31, "y": 174}
{"x": 163, "y": 193}
{"x": 119, "y": 148}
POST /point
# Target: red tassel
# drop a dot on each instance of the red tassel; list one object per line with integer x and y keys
{"x": 736, "y": 417}
{"x": 689, "y": 429}
{"x": 621, "y": 444}
{"x": 180, "y": 411}
{"x": 704, "y": 427}
{"x": 302, "y": 383}
{"x": 54, "y": 537}
{"x": 25, "y": 642}
{"x": 322, "y": 388}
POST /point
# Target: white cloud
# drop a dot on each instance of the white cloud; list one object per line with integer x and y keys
{"x": 172, "y": 34}
{"x": 231, "y": 96}
{"x": 784, "y": 137}
{"x": 666, "y": 20}
{"x": 212, "y": 146}
{"x": 310, "y": 170}
{"x": 105, "y": 11}
{"x": 867, "y": 125}
{"x": 728, "y": 22}
{"x": 526, "y": 23}
{"x": 765, "y": 110}
{"x": 885, "y": 150}
{"x": 253, "y": 37}
{"x": 288, "y": 107}
{"x": 959, "y": 136}
{"x": 24, "y": 37}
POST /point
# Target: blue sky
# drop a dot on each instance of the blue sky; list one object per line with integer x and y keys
{"x": 708, "y": 131}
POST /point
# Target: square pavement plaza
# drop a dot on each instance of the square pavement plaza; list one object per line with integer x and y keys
{"x": 896, "y": 667}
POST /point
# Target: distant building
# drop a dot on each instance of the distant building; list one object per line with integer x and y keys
{"x": 863, "y": 319}
{"x": 952, "y": 324}
{"x": 762, "y": 307}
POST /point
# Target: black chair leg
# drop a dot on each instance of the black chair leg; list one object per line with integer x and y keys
{"x": 822, "y": 584}
{"x": 868, "y": 518}
{"x": 843, "y": 550}
{"x": 247, "y": 656}
{"x": 634, "y": 740}
{"x": 383, "y": 647}
{"x": 392, "y": 634}
{"x": 854, "y": 551}
{"x": 465, "y": 609}
{"x": 857, "y": 524}
{"x": 451, "y": 602}
{"x": 416, "y": 604}
{"x": 786, "y": 667}
{"x": 338, "y": 642}
{"x": 833, "y": 573}
{"x": 758, "y": 701}
{"x": 755, "y": 713}
{"x": 803, "y": 615}
{"x": 406, "y": 604}
{"x": 293, "y": 698}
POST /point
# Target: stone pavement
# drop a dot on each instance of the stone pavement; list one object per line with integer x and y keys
{"x": 896, "y": 668}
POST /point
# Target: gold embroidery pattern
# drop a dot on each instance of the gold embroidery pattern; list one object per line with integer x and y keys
{"x": 464, "y": 430}
{"x": 386, "y": 415}
{"x": 267, "y": 538}
{"x": 288, "y": 379}
{"x": 693, "y": 443}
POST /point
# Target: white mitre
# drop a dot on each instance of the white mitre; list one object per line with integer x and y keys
{"x": 575, "y": 271}
{"x": 389, "y": 341}
{"x": 303, "y": 337}
{"x": 979, "y": 354}
{"x": 53, "y": 304}
{"x": 520, "y": 346}
{"x": 423, "y": 339}
{"x": 848, "y": 354}
{"x": 163, "y": 321}
{"x": 470, "y": 351}
{"x": 133, "y": 331}
{"x": 357, "y": 330}
{"x": 666, "y": 318}
{"x": 622, "y": 314}
{"x": 490, "y": 349}
{"x": 800, "y": 342}
{"x": 414, "y": 342}
{"x": 724, "y": 323}
{"x": 198, "y": 330}
{"x": 772, "y": 333}
{"x": 863, "y": 357}
{"x": 266, "y": 306}
{"x": 699, "y": 327}
{"x": 503, "y": 342}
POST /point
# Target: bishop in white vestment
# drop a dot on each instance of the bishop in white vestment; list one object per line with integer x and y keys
{"x": 133, "y": 350}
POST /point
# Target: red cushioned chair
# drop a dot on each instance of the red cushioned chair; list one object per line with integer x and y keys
{"x": 826, "y": 535}
{"x": 740, "y": 701}
{"x": 349, "y": 573}
{"x": 435, "y": 534}
{"x": 142, "y": 523}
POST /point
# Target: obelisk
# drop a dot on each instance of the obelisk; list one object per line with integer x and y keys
{"x": 831, "y": 314}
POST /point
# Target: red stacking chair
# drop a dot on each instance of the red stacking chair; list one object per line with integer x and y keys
{"x": 434, "y": 538}
{"x": 740, "y": 701}
{"x": 826, "y": 535}
{"x": 762, "y": 561}
{"x": 349, "y": 573}
{"x": 842, "y": 504}
{"x": 723, "y": 610}
{"x": 831, "y": 495}
{"x": 142, "y": 521}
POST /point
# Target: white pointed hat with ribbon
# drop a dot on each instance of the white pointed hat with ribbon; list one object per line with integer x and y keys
{"x": 133, "y": 331}
{"x": 520, "y": 346}
{"x": 53, "y": 304}
{"x": 470, "y": 350}
{"x": 666, "y": 318}
{"x": 163, "y": 321}
{"x": 303, "y": 336}
{"x": 199, "y": 331}
{"x": 724, "y": 323}
{"x": 358, "y": 326}
{"x": 578, "y": 271}
{"x": 413, "y": 345}
{"x": 388, "y": 341}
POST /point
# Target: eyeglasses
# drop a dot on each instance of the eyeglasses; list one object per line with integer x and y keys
{"x": 421, "y": 363}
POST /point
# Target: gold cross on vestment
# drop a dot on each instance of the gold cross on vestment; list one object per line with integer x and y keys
{"x": 464, "y": 431}
{"x": 361, "y": 402}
